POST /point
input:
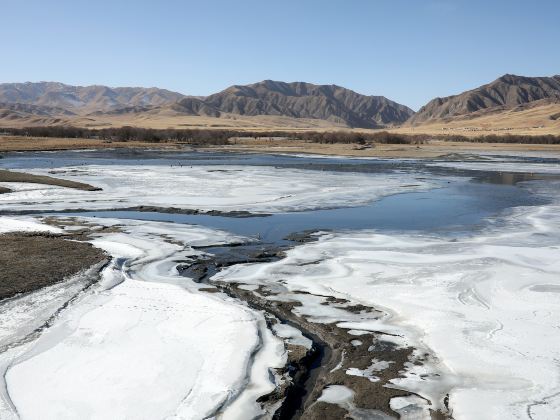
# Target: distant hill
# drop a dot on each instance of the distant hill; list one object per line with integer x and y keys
{"x": 300, "y": 100}
{"x": 52, "y": 96}
{"x": 58, "y": 103}
{"x": 506, "y": 93}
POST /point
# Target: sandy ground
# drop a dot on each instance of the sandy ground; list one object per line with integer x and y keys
{"x": 434, "y": 148}
{"x": 22, "y": 144}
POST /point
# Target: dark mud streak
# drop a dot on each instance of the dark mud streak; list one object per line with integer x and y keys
{"x": 9, "y": 176}
{"x": 142, "y": 209}
{"x": 313, "y": 371}
{"x": 304, "y": 372}
{"x": 544, "y": 401}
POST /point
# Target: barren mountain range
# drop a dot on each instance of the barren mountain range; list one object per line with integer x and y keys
{"x": 302, "y": 100}
{"x": 509, "y": 101}
{"x": 296, "y": 100}
{"x": 505, "y": 93}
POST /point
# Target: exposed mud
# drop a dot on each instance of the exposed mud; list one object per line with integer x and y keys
{"x": 9, "y": 176}
{"x": 334, "y": 349}
{"x": 30, "y": 261}
{"x": 144, "y": 209}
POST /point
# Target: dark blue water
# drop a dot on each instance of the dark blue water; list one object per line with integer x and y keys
{"x": 462, "y": 204}
{"x": 457, "y": 208}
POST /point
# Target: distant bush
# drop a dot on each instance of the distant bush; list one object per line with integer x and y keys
{"x": 221, "y": 137}
{"x": 507, "y": 138}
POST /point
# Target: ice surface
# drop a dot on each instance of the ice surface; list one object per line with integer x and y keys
{"x": 293, "y": 335}
{"x": 504, "y": 166}
{"x": 24, "y": 224}
{"x": 486, "y": 305}
{"x": 337, "y": 394}
{"x": 144, "y": 343}
{"x": 256, "y": 189}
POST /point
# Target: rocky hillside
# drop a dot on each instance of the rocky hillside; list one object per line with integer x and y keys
{"x": 505, "y": 93}
{"x": 50, "y": 96}
{"x": 300, "y": 100}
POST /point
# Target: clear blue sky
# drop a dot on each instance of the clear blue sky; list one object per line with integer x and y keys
{"x": 407, "y": 50}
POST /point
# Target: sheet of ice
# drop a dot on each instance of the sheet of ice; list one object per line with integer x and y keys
{"x": 369, "y": 372}
{"x": 293, "y": 335}
{"x": 256, "y": 189}
{"x": 487, "y": 305}
{"x": 143, "y": 344}
{"x": 337, "y": 394}
{"x": 410, "y": 408}
{"x": 504, "y": 166}
{"x": 24, "y": 224}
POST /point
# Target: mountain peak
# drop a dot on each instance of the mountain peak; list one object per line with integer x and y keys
{"x": 83, "y": 99}
{"x": 506, "y": 92}
{"x": 308, "y": 100}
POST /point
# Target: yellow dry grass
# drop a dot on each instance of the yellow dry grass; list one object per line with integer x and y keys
{"x": 433, "y": 148}
{"x": 537, "y": 120}
{"x": 20, "y": 144}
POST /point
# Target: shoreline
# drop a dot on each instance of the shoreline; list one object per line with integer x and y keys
{"x": 428, "y": 150}
{"x": 33, "y": 260}
{"x": 25, "y": 177}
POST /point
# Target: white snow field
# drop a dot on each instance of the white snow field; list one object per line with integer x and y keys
{"x": 143, "y": 343}
{"x": 225, "y": 188}
{"x": 487, "y": 306}
{"x": 24, "y": 224}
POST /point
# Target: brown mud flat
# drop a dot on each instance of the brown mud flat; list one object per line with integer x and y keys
{"x": 31, "y": 261}
{"x": 337, "y": 351}
{"x": 11, "y": 176}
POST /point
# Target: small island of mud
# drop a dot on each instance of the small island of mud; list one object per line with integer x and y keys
{"x": 32, "y": 260}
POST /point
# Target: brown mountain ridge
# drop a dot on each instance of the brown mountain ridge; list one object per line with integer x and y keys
{"x": 505, "y": 93}
{"x": 302, "y": 100}
{"x": 330, "y": 103}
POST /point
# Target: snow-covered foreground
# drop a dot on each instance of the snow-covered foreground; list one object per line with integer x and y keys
{"x": 225, "y": 188}
{"x": 143, "y": 343}
{"x": 488, "y": 306}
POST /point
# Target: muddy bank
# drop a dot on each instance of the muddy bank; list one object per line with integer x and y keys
{"x": 9, "y": 176}
{"x": 333, "y": 352}
{"x": 30, "y": 261}
{"x": 145, "y": 209}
